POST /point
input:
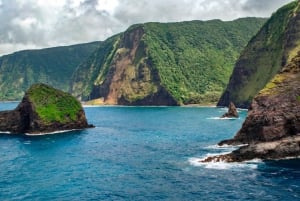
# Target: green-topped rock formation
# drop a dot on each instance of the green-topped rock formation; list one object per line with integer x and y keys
{"x": 44, "y": 109}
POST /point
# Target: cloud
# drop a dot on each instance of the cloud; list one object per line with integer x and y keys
{"x": 107, "y": 6}
{"x": 42, "y": 23}
{"x": 263, "y": 6}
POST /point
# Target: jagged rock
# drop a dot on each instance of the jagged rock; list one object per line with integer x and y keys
{"x": 283, "y": 148}
{"x": 272, "y": 127}
{"x": 44, "y": 109}
{"x": 232, "y": 112}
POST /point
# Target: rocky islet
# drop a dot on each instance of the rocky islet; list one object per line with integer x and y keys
{"x": 44, "y": 109}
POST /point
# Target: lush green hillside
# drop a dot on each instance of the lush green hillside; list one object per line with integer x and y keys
{"x": 275, "y": 44}
{"x": 53, "y": 66}
{"x": 186, "y": 62}
{"x": 86, "y": 74}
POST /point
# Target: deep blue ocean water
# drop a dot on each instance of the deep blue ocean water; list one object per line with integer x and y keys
{"x": 140, "y": 153}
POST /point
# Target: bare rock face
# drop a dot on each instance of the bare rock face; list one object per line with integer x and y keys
{"x": 232, "y": 112}
{"x": 272, "y": 128}
{"x": 44, "y": 109}
{"x": 131, "y": 79}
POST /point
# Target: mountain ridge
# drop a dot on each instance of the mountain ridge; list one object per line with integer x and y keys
{"x": 52, "y": 66}
{"x": 183, "y": 59}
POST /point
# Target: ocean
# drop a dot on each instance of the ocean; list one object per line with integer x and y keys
{"x": 140, "y": 153}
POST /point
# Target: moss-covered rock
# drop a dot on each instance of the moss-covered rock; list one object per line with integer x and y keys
{"x": 44, "y": 109}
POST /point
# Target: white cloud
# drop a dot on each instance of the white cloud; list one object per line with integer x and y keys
{"x": 26, "y": 23}
{"x": 108, "y": 6}
{"x": 44, "y": 23}
{"x": 11, "y": 47}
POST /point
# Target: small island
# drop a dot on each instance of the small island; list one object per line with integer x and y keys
{"x": 232, "y": 112}
{"x": 44, "y": 109}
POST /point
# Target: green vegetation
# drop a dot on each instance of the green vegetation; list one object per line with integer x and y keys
{"x": 192, "y": 60}
{"x": 53, "y": 66}
{"x": 270, "y": 88}
{"x": 88, "y": 72}
{"x": 271, "y": 49}
{"x": 195, "y": 59}
{"x": 53, "y": 105}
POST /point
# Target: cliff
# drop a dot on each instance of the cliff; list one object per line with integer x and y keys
{"x": 264, "y": 56}
{"x": 164, "y": 63}
{"x": 54, "y": 66}
{"x": 44, "y": 109}
{"x": 272, "y": 127}
{"x": 130, "y": 79}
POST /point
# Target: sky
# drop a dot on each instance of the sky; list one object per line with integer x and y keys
{"x": 32, "y": 24}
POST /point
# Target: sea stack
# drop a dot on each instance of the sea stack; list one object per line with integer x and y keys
{"x": 232, "y": 112}
{"x": 44, "y": 109}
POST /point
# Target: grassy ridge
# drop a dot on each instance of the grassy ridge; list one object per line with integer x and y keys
{"x": 58, "y": 106}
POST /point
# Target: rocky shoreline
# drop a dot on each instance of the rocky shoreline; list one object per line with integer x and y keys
{"x": 272, "y": 127}
{"x": 279, "y": 149}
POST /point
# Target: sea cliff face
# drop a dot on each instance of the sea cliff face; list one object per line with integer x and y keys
{"x": 265, "y": 55}
{"x": 44, "y": 109}
{"x": 272, "y": 127}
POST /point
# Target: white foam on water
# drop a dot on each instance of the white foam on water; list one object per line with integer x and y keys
{"x": 222, "y": 165}
{"x": 51, "y": 133}
{"x": 223, "y": 118}
{"x": 242, "y": 109}
{"x": 225, "y": 146}
{"x": 84, "y": 106}
{"x": 5, "y": 132}
{"x": 288, "y": 158}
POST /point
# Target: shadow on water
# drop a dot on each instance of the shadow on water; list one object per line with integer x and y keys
{"x": 288, "y": 163}
{"x": 288, "y": 168}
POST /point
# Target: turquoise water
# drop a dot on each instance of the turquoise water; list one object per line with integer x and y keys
{"x": 140, "y": 153}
